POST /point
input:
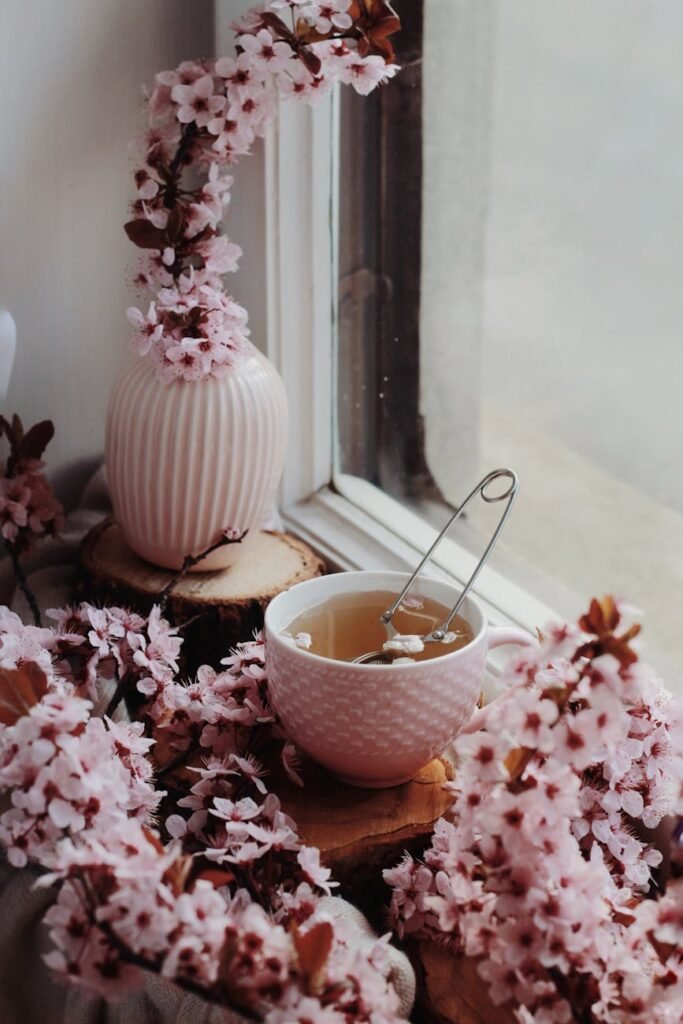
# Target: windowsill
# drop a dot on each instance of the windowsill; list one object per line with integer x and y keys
{"x": 348, "y": 530}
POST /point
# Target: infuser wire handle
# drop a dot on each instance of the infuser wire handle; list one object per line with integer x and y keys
{"x": 510, "y": 494}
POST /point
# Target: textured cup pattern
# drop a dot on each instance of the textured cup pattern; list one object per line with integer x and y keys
{"x": 187, "y": 459}
{"x": 379, "y": 724}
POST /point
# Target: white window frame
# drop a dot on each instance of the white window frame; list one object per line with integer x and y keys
{"x": 348, "y": 520}
{"x": 287, "y": 215}
{"x": 353, "y": 524}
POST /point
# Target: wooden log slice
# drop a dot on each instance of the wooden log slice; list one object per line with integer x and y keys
{"x": 222, "y": 608}
{"x": 452, "y": 991}
{"x": 361, "y": 831}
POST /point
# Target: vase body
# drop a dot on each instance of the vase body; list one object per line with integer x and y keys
{"x": 188, "y": 459}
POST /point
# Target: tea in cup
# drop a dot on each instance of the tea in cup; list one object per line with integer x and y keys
{"x": 375, "y": 725}
{"x": 346, "y": 626}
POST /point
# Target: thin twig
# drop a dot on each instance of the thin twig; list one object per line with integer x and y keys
{"x": 176, "y": 165}
{"x": 191, "y": 560}
{"x": 220, "y": 998}
{"x": 177, "y": 761}
{"x": 23, "y": 582}
{"x": 212, "y": 995}
{"x": 117, "y": 696}
{"x": 190, "y": 621}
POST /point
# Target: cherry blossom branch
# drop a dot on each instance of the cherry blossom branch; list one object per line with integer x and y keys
{"x": 129, "y": 956}
{"x": 129, "y": 902}
{"x": 566, "y": 779}
{"x": 189, "y": 561}
{"x": 23, "y": 583}
{"x": 177, "y": 163}
{"x": 29, "y": 510}
{"x": 213, "y": 996}
{"x": 204, "y": 116}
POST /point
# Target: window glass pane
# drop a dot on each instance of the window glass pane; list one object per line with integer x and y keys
{"x": 510, "y": 263}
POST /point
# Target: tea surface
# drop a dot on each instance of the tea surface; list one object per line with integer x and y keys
{"x": 347, "y": 625}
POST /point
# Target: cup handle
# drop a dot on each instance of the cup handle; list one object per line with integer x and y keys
{"x": 497, "y": 636}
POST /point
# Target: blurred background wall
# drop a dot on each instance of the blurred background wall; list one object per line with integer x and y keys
{"x": 71, "y": 78}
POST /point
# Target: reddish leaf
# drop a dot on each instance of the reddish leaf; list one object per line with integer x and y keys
{"x": 8, "y": 428}
{"x": 517, "y": 760}
{"x": 601, "y": 616}
{"x": 601, "y": 620}
{"x": 205, "y": 233}
{"x": 35, "y": 441}
{"x": 271, "y": 20}
{"x": 143, "y": 234}
{"x": 376, "y": 20}
{"x": 177, "y": 874}
{"x": 153, "y": 839}
{"x": 229, "y": 981}
{"x": 383, "y": 18}
{"x": 309, "y": 59}
{"x": 313, "y": 948}
{"x": 619, "y": 648}
{"x": 217, "y": 877}
{"x": 20, "y": 689}
{"x": 17, "y": 428}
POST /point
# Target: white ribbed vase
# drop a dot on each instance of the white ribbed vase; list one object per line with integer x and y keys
{"x": 188, "y": 459}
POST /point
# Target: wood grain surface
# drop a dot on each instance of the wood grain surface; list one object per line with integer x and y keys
{"x": 221, "y": 608}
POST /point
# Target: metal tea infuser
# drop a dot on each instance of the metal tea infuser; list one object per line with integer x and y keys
{"x": 439, "y": 634}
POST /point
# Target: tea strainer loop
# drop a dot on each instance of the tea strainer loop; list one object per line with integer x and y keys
{"x": 437, "y": 635}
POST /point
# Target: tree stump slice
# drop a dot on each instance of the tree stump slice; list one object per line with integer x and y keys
{"x": 359, "y": 832}
{"x": 365, "y": 829}
{"x": 451, "y": 990}
{"x": 222, "y": 608}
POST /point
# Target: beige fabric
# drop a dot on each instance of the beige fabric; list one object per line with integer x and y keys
{"x": 160, "y": 1003}
{"x": 28, "y": 993}
{"x": 400, "y": 972}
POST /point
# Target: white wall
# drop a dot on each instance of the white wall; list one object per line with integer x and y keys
{"x": 70, "y": 79}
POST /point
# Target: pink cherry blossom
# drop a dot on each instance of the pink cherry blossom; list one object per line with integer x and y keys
{"x": 531, "y": 719}
{"x": 242, "y": 76}
{"x": 250, "y": 768}
{"x": 365, "y": 73}
{"x": 330, "y": 14}
{"x": 264, "y": 52}
{"x": 147, "y": 186}
{"x": 196, "y": 101}
{"x": 148, "y": 328}
{"x": 297, "y": 82}
{"x": 14, "y": 499}
{"x": 291, "y": 762}
{"x": 220, "y": 255}
{"x": 184, "y": 360}
{"x": 319, "y": 876}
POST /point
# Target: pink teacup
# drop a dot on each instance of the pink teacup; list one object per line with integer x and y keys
{"x": 375, "y": 725}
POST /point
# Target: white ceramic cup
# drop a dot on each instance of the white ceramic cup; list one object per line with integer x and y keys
{"x": 375, "y": 725}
